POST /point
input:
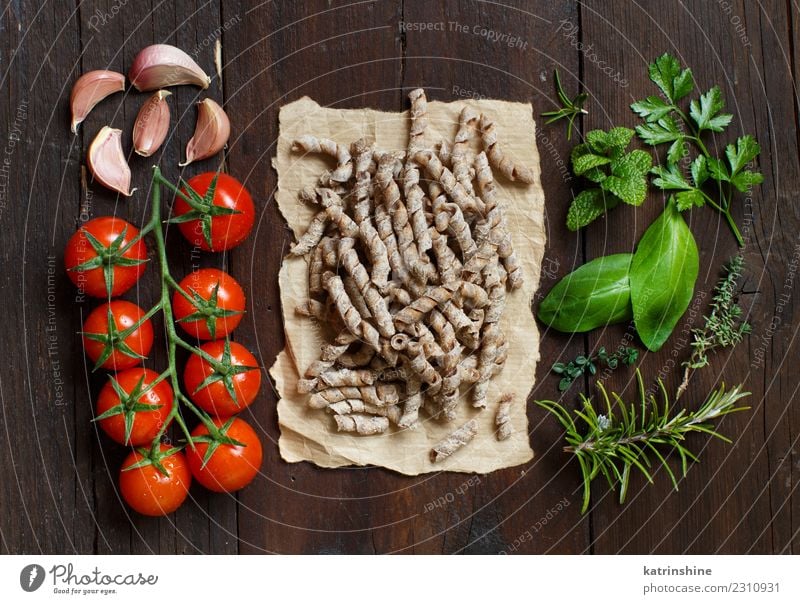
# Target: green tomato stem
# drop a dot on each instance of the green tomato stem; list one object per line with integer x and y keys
{"x": 165, "y": 305}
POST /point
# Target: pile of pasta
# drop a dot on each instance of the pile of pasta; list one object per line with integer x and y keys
{"x": 410, "y": 261}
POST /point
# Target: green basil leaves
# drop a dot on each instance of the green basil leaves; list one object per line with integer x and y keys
{"x": 596, "y": 294}
{"x": 663, "y": 273}
{"x": 654, "y": 286}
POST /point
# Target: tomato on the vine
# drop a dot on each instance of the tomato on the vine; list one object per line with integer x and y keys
{"x": 224, "y": 390}
{"x": 116, "y": 335}
{"x": 130, "y": 409}
{"x": 102, "y": 258}
{"x": 221, "y": 213}
{"x": 216, "y": 305}
{"x": 155, "y": 484}
{"x": 221, "y": 465}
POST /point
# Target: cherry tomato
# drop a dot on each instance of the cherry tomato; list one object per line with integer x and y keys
{"x": 147, "y": 489}
{"x": 216, "y": 396}
{"x": 230, "y": 467}
{"x": 133, "y": 414}
{"x": 103, "y": 331}
{"x": 93, "y": 255}
{"x": 215, "y": 228}
{"x": 217, "y": 304}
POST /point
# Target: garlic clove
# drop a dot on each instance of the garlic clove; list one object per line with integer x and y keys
{"x": 152, "y": 124}
{"x": 210, "y": 134}
{"x": 162, "y": 65}
{"x": 107, "y": 162}
{"x": 90, "y": 89}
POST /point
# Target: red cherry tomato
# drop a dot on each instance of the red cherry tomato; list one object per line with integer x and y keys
{"x": 148, "y": 490}
{"x": 85, "y": 263}
{"x": 102, "y": 337}
{"x": 225, "y": 231}
{"x": 117, "y": 416}
{"x": 231, "y": 467}
{"x": 217, "y": 306}
{"x": 215, "y": 398}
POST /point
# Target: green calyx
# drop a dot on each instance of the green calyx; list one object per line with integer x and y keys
{"x": 206, "y": 310}
{"x": 129, "y": 403}
{"x": 153, "y": 457}
{"x": 202, "y": 208}
{"x": 109, "y": 256}
{"x": 215, "y": 438}
{"x": 114, "y": 339}
{"x": 225, "y": 371}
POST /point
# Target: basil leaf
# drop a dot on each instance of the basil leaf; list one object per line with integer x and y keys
{"x": 662, "y": 277}
{"x": 594, "y": 295}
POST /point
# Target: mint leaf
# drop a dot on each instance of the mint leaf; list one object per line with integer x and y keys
{"x": 706, "y": 114}
{"x": 669, "y": 177}
{"x": 651, "y": 109}
{"x": 743, "y": 153}
{"x": 632, "y": 191}
{"x": 587, "y": 206}
{"x": 619, "y": 137}
{"x": 666, "y": 73}
{"x": 664, "y": 130}
{"x": 687, "y": 199}
{"x": 634, "y": 164}
{"x": 587, "y": 162}
{"x": 699, "y": 170}
{"x": 597, "y": 140}
{"x": 746, "y": 179}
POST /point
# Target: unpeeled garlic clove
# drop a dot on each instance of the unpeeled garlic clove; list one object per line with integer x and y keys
{"x": 210, "y": 134}
{"x": 90, "y": 89}
{"x": 152, "y": 124}
{"x": 107, "y": 162}
{"x": 162, "y": 65}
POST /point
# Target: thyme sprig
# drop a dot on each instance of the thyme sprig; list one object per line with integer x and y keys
{"x": 723, "y": 327}
{"x": 630, "y": 436}
{"x": 583, "y": 364}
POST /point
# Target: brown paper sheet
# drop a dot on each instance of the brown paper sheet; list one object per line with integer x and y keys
{"x": 310, "y": 434}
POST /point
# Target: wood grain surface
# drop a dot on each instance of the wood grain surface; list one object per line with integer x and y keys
{"x": 58, "y": 490}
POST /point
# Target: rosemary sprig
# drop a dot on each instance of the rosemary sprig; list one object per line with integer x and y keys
{"x": 723, "y": 327}
{"x": 582, "y": 364}
{"x": 630, "y": 436}
{"x": 570, "y": 108}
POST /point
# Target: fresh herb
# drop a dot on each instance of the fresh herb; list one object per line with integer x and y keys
{"x": 723, "y": 327}
{"x": 588, "y": 364}
{"x": 666, "y": 122}
{"x": 620, "y": 176}
{"x": 570, "y": 108}
{"x": 637, "y": 435}
{"x": 593, "y": 295}
{"x": 662, "y": 277}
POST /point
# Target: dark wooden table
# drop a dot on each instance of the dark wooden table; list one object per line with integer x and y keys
{"x": 58, "y": 493}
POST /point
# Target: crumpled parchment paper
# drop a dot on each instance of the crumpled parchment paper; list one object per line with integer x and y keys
{"x": 310, "y": 434}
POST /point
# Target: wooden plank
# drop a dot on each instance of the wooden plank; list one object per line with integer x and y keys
{"x": 36, "y": 210}
{"x": 186, "y": 25}
{"x": 297, "y": 508}
{"x": 487, "y": 50}
{"x": 722, "y": 506}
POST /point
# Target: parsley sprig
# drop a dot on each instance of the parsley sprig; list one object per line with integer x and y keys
{"x": 667, "y": 123}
